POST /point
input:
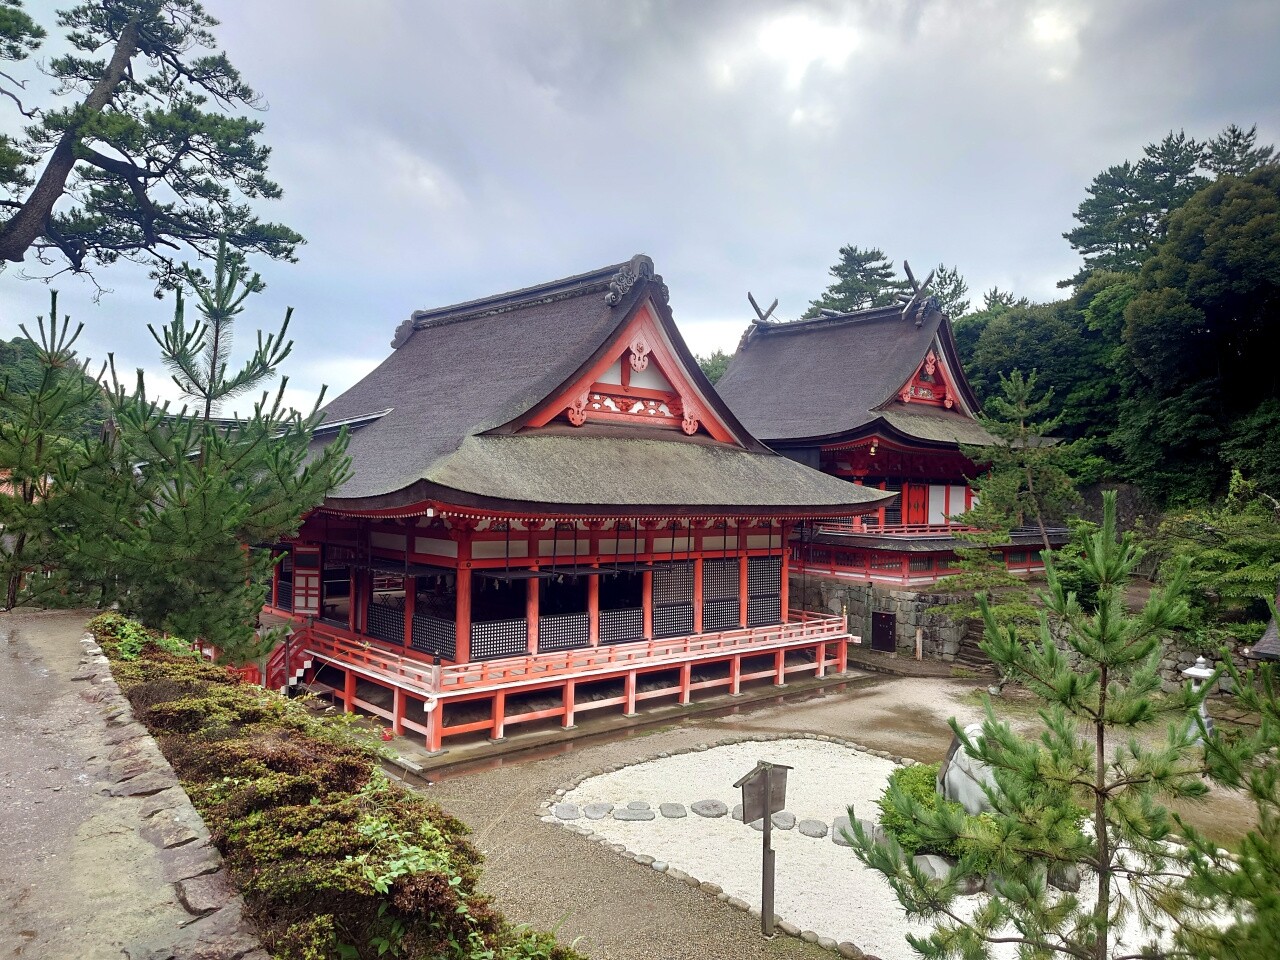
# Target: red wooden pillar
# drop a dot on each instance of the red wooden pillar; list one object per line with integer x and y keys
{"x": 646, "y": 601}
{"x": 906, "y": 569}
{"x": 842, "y": 656}
{"x": 410, "y": 601}
{"x": 353, "y": 595}
{"x": 397, "y": 711}
{"x": 780, "y": 668}
{"x": 629, "y": 695}
{"x": 497, "y": 726}
{"x": 784, "y": 588}
{"x": 435, "y": 720}
{"x": 593, "y": 609}
{"x": 462, "y": 618}
{"x": 686, "y": 677}
{"x": 742, "y": 589}
{"x": 697, "y": 598}
{"x": 822, "y": 660}
{"x": 349, "y": 692}
{"x": 735, "y": 675}
{"x": 880, "y": 512}
{"x": 570, "y": 690}
{"x": 531, "y": 612}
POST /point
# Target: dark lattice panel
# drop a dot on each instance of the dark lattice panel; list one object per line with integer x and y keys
{"x": 920, "y": 564}
{"x": 893, "y": 509}
{"x": 672, "y": 582}
{"x": 565, "y": 631}
{"x": 764, "y": 576}
{"x": 435, "y": 636}
{"x": 621, "y": 626}
{"x": 719, "y": 579}
{"x": 673, "y": 620}
{"x": 499, "y": 638}
{"x": 386, "y": 622}
{"x": 719, "y": 614}
{"x": 764, "y": 610}
{"x": 284, "y": 595}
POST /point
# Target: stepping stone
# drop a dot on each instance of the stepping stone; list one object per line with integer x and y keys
{"x": 637, "y": 805}
{"x": 566, "y": 811}
{"x": 784, "y": 820}
{"x": 597, "y": 811}
{"x": 737, "y": 811}
{"x": 813, "y": 828}
{"x": 672, "y": 811}
{"x": 709, "y": 808}
{"x": 838, "y": 827}
{"x": 626, "y": 813}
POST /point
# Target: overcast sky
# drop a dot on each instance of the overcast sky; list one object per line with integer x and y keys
{"x": 434, "y": 152}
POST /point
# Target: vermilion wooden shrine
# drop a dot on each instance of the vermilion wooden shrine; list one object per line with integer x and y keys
{"x": 551, "y": 511}
{"x": 876, "y": 397}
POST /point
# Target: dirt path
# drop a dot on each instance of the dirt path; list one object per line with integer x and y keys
{"x": 101, "y": 854}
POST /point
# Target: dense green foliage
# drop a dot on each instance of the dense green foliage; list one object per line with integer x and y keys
{"x": 141, "y": 155}
{"x": 333, "y": 860}
{"x": 714, "y": 364}
{"x": 867, "y": 278}
{"x": 915, "y": 788}
{"x": 1100, "y": 755}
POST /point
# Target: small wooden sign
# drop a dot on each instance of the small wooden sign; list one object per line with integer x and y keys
{"x": 754, "y": 804}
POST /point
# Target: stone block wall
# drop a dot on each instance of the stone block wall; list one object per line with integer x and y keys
{"x": 912, "y": 609}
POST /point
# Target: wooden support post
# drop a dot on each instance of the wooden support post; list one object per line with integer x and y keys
{"x": 410, "y": 601}
{"x": 822, "y": 660}
{"x": 593, "y": 609}
{"x": 742, "y": 589}
{"x": 646, "y": 602}
{"x": 842, "y": 656}
{"x": 349, "y": 692}
{"x": 697, "y": 597}
{"x": 275, "y": 581}
{"x": 434, "y": 725}
{"x": 629, "y": 695}
{"x": 531, "y": 612}
{"x": 686, "y": 677}
{"x": 397, "y": 711}
{"x": 780, "y": 668}
{"x": 497, "y": 725}
{"x": 784, "y": 588}
{"x": 906, "y": 569}
{"x": 462, "y": 617}
{"x": 570, "y": 690}
{"x": 735, "y": 675}
{"x": 353, "y": 592}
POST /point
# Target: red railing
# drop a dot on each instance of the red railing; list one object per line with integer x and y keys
{"x": 858, "y": 525}
{"x": 431, "y": 680}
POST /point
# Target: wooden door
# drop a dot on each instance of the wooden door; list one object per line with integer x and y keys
{"x": 917, "y": 497}
{"x": 306, "y": 581}
{"x": 882, "y": 630}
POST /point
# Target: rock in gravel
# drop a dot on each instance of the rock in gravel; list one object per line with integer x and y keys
{"x": 672, "y": 811}
{"x": 709, "y": 808}
{"x": 1064, "y": 876}
{"x": 738, "y": 904}
{"x": 808, "y": 936}
{"x": 566, "y": 811}
{"x": 659, "y": 865}
{"x": 812, "y": 828}
{"x": 939, "y": 868}
{"x": 644, "y": 858}
{"x": 597, "y": 811}
{"x": 784, "y": 820}
{"x": 789, "y": 928}
{"x": 737, "y": 811}
{"x": 626, "y": 813}
{"x": 711, "y": 888}
{"x": 637, "y": 805}
{"x": 839, "y": 826}
{"x": 850, "y": 951}
{"x": 826, "y": 943}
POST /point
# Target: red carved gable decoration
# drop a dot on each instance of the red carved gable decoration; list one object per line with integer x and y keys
{"x": 670, "y": 401}
{"x": 931, "y": 384}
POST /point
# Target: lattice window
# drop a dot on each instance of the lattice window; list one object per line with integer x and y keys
{"x": 764, "y": 576}
{"x": 893, "y": 509}
{"x": 719, "y": 579}
{"x": 386, "y": 622}
{"x": 762, "y": 611}
{"x": 672, "y": 582}
{"x": 284, "y": 595}
{"x": 565, "y": 631}
{"x": 921, "y": 564}
{"x": 621, "y": 626}
{"x": 848, "y": 558}
{"x": 720, "y": 614}
{"x": 435, "y": 636}
{"x": 499, "y": 638}
{"x": 673, "y": 620}
{"x": 885, "y": 561}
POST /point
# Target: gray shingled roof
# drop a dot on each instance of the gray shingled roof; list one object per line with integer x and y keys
{"x": 461, "y": 379}
{"x": 1268, "y": 645}
{"x": 822, "y": 378}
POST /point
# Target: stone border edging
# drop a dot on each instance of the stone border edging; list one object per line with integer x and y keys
{"x": 136, "y": 768}
{"x": 845, "y": 949}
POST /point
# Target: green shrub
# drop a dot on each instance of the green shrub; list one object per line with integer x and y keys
{"x": 333, "y": 860}
{"x": 914, "y": 788}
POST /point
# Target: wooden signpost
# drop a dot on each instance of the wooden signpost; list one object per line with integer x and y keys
{"x": 764, "y": 793}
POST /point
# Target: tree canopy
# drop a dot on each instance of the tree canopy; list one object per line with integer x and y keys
{"x": 863, "y": 278}
{"x": 141, "y": 156}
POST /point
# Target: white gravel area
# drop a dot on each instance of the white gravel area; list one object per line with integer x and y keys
{"x": 820, "y": 886}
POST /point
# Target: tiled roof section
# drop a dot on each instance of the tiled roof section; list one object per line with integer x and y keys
{"x": 937, "y": 426}
{"x": 1268, "y": 646}
{"x": 821, "y": 378}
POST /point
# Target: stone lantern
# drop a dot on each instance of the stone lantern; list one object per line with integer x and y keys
{"x": 1198, "y": 673}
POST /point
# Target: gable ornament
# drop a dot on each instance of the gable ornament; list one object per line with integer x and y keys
{"x": 639, "y": 267}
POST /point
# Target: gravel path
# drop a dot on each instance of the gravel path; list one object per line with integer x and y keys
{"x": 103, "y": 855}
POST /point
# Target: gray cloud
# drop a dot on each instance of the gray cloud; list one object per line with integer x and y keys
{"x": 433, "y": 152}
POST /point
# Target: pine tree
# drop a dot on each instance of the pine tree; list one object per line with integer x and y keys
{"x": 864, "y": 278}
{"x": 1234, "y": 152}
{"x": 1088, "y": 792}
{"x": 950, "y": 289}
{"x": 40, "y": 415}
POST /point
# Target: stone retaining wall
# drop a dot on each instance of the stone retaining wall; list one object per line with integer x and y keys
{"x": 912, "y": 610}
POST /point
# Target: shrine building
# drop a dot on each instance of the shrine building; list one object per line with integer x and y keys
{"x": 551, "y": 511}
{"x": 879, "y": 399}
